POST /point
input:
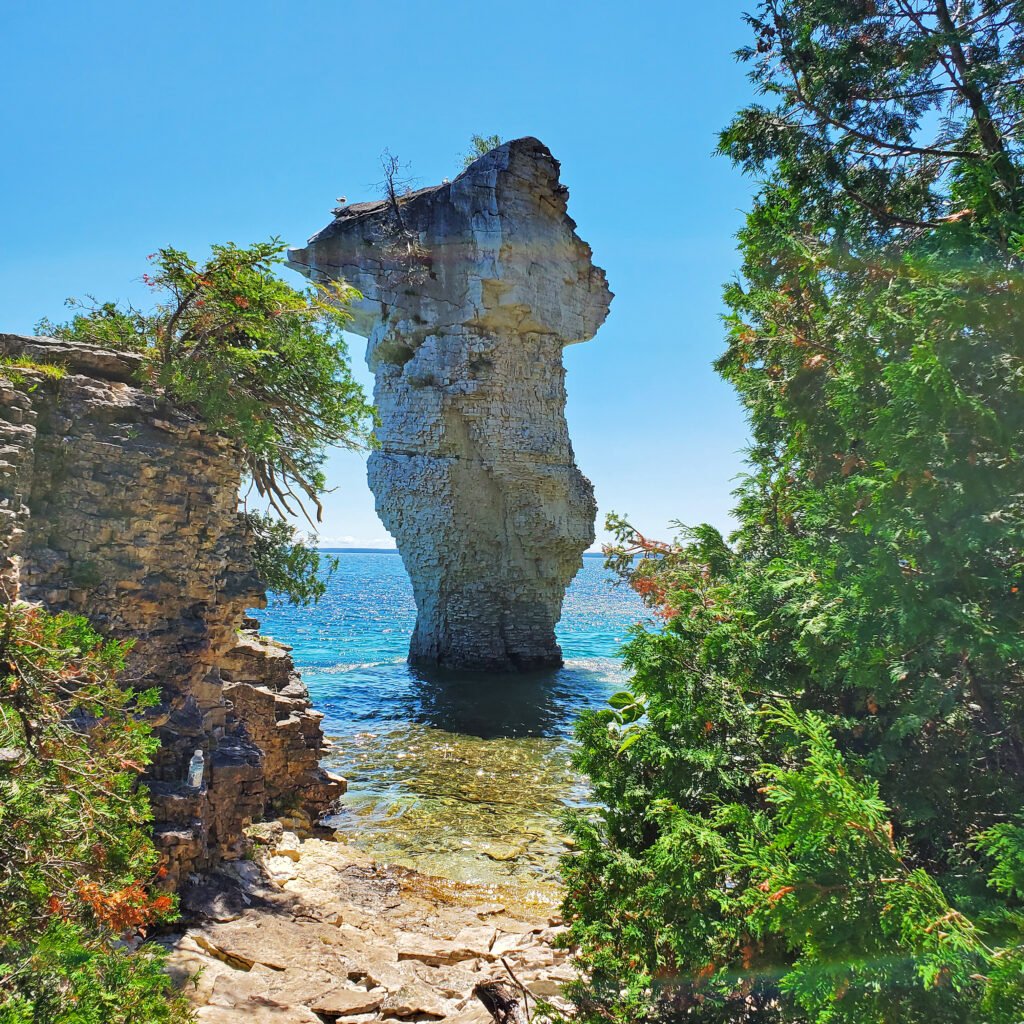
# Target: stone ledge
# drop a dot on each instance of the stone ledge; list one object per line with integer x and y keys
{"x": 314, "y": 927}
{"x": 90, "y": 360}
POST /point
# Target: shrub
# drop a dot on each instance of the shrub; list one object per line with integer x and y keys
{"x": 291, "y": 569}
{"x": 76, "y": 858}
{"x": 480, "y": 145}
{"x": 12, "y": 367}
{"x": 259, "y": 361}
{"x": 810, "y": 794}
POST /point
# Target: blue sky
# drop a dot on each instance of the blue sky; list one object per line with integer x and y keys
{"x": 127, "y": 126}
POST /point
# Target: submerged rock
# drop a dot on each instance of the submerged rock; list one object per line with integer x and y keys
{"x": 471, "y": 289}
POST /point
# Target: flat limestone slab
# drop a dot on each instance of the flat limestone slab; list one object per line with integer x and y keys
{"x": 355, "y": 941}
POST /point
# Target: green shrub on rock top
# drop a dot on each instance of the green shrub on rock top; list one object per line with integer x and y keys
{"x": 480, "y": 145}
{"x": 260, "y": 362}
{"x": 12, "y": 368}
{"x": 810, "y": 800}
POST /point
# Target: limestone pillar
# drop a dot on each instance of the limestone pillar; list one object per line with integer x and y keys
{"x": 471, "y": 289}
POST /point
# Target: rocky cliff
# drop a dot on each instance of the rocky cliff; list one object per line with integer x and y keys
{"x": 471, "y": 289}
{"x": 116, "y": 507}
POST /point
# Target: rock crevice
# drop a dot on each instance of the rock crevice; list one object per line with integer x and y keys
{"x": 471, "y": 289}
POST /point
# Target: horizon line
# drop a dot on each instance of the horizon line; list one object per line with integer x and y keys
{"x": 394, "y": 551}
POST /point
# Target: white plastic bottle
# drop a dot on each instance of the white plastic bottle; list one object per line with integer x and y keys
{"x": 195, "y": 770}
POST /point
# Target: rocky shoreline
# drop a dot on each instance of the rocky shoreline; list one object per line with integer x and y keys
{"x": 117, "y": 506}
{"x": 310, "y": 931}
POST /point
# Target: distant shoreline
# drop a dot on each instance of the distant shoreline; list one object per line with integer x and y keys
{"x": 394, "y": 551}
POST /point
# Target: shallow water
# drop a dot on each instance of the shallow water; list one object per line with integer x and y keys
{"x": 462, "y": 776}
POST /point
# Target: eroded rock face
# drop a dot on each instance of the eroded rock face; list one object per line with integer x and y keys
{"x": 117, "y": 508}
{"x": 471, "y": 290}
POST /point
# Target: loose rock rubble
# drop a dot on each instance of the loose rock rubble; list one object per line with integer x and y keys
{"x": 313, "y": 931}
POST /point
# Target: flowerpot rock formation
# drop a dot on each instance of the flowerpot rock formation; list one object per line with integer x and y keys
{"x": 471, "y": 289}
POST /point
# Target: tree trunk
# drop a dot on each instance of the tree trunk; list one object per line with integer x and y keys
{"x": 502, "y": 1002}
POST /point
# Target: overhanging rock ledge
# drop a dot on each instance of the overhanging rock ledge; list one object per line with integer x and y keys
{"x": 471, "y": 289}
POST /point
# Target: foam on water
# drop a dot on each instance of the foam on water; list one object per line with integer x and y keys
{"x": 462, "y": 775}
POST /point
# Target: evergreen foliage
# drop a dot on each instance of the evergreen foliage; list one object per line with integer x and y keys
{"x": 811, "y": 795}
{"x": 260, "y": 362}
{"x": 76, "y": 858}
{"x": 286, "y": 566}
{"x": 480, "y": 145}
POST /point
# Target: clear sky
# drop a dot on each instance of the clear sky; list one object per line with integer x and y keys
{"x": 127, "y": 126}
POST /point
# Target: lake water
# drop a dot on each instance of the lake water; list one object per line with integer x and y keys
{"x": 464, "y": 776}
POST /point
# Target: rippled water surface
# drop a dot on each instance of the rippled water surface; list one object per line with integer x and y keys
{"x": 464, "y": 776}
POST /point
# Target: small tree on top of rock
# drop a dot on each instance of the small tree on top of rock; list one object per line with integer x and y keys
{"x": 479, "y": 145}
{"x": 400, "y": 246}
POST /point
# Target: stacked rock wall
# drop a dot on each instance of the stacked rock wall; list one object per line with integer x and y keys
{"x": 471, "y": 289}
{"x": 118, "y": 508}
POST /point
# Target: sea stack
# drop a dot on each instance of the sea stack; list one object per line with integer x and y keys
{"x": 471, "y": 289}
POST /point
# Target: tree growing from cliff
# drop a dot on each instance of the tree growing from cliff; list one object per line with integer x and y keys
{"x": 261, "y": 362}
{"x": 479, "y": 145}
{"x": 76, "y": 859}
{"x": 401, "y": 248}
{"x": 811, "y": 792}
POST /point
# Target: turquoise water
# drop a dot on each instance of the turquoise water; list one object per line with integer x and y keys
{"x": 464, "y": 776}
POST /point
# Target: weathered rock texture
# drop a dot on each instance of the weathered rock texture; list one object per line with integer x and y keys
{"x": 312, "y": 931}
{"x": 471, "y": 290}
{"x": 118, "y": 508}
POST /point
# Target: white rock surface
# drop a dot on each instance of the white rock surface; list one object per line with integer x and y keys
{"x": 348, "y": 940}
{"x": 471, "y": 290}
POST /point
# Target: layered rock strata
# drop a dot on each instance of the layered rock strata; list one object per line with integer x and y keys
{"x": 471, "y": 289}
{"x": 116, "y": 507}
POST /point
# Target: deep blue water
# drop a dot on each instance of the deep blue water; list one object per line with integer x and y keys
{"x": 462, "y": 775}
{"x": 351, "y": 649}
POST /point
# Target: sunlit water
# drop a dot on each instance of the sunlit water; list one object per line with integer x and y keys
{"x": 464, "y": 776}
